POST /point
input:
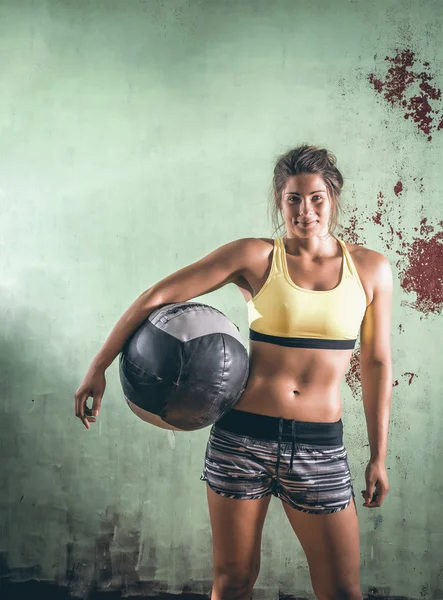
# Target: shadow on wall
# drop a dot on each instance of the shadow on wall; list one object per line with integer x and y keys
{"x": 38, "y": 589}
{"x": 59, "y": 512}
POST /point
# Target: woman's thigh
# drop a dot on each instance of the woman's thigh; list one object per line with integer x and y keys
{"x": 332, "y": 546}
{"x": 236, "y": 533}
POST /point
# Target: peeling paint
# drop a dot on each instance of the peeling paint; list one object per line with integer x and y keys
{"x": 353, "y": 375}
{"x": 398, "y": 188}
{"x": 411, "y": 91}
{"x": 423, "y": 272}
{"x": 420, "y": 262}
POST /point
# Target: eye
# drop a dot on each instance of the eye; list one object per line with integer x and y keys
{"x": 319, "y": 197}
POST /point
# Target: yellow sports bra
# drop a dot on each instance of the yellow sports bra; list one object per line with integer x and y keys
{"x": 286, "y": 314}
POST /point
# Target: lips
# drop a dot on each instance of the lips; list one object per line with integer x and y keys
{"x": 306, "y": 222}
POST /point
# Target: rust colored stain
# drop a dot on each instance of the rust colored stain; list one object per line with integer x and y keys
{"x": 411, "y": 377}
{"x": 420, "y": 258}
{"x": 411, "y": 91}
{"x": 382, "y": 219}
{"x": 425, "y": 229}
{"x": 398, "y": 188}
{"x": 353, "y": 376}
{"x": 378, "y": 215}
{"x": 423, "y": 273}
{"x": 351, "y": 234}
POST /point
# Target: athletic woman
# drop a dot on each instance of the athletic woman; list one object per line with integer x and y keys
{"x": 308, "y": 294}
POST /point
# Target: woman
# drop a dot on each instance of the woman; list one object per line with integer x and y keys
{"x": 308, "y": 295}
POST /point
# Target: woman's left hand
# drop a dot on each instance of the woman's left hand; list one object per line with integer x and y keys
{"x": 376, "y": 477}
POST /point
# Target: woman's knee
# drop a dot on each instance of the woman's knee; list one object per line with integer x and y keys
{"x": 234, "y": 583}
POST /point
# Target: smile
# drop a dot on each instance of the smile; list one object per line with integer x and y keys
{"x": 308, "y": 224}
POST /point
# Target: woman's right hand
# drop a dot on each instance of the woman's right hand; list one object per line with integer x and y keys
{"x": 93, "y": 385}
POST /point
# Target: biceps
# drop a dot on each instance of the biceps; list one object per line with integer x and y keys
{"x": 206, "y": 275}
{"x": 375, "y": 333}
{"x": 192, "y": 281}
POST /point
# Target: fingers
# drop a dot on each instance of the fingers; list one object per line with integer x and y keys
{"x": 96, "y": 403}
{"x": 367, "y": 495}
{"x": 94, "y": 386}
{"x": 89, "y": 414}
{"x": 374, "y": 495}
{"x": 81, "y": 409}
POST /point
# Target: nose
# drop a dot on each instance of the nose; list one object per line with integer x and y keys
{"x": 305, "y": 207}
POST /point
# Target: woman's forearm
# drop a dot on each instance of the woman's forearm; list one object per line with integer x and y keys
{"x": 127, "y": 324}
{"x": 377, "y": 392}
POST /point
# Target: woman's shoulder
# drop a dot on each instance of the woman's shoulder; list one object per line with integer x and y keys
{"x": 255, "y": 245}
{"x": 256, "y": 252}
{"x": 372, "y": 266}
{"x": 365, "y": 255}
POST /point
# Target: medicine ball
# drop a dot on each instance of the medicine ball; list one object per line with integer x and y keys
{"x": 186, "y": 363}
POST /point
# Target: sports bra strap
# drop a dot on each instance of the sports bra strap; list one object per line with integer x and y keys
{"x": 348, "y": 262}
{"x": 278, "y": 256}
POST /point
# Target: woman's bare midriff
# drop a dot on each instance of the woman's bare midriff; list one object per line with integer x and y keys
{"x": 294, "y": 383}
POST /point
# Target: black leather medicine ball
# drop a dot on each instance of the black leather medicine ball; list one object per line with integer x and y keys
{"x": 186, "y": 363}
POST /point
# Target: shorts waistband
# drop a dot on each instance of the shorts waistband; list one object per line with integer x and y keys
{"x": 265, "y": 427}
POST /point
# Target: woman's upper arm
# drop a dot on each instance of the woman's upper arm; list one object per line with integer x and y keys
{"x": 220, "y": 267}
{"x": 375, "y": 332}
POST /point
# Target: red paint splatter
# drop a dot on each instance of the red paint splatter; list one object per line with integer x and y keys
{"x": 425, "y": 229}
{"x": 377, "y": 217}
{"x": 397, "y": 90}
{"x": 377, "y": 83}
{"x": 424, "y": 274}
{"x": 398, "y": 188}
{"x": 351, "y": 233}
{"x": 381, "y": 218}
{"x": 397, "y": 79}
{"x": 420, "y": 262}
{"x": 353, "y": 376}
{"x": 411, "y": 377}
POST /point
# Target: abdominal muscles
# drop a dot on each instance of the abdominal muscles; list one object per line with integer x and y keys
{"x": 294, "y": 383}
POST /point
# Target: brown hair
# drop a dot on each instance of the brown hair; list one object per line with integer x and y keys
{"x": 306, "y": 159}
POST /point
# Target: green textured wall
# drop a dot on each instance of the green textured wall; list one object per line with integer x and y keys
{"x": 136, "y": 136}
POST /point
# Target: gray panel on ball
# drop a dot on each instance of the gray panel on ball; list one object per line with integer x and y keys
{"x": 186, "y": 363}
{"x": 188, "y": 321}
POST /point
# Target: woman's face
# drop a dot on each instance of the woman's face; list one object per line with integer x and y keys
{"x": 306, "y": 206}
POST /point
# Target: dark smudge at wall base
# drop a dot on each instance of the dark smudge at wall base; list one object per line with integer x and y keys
{"x": 34, "y": 590}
